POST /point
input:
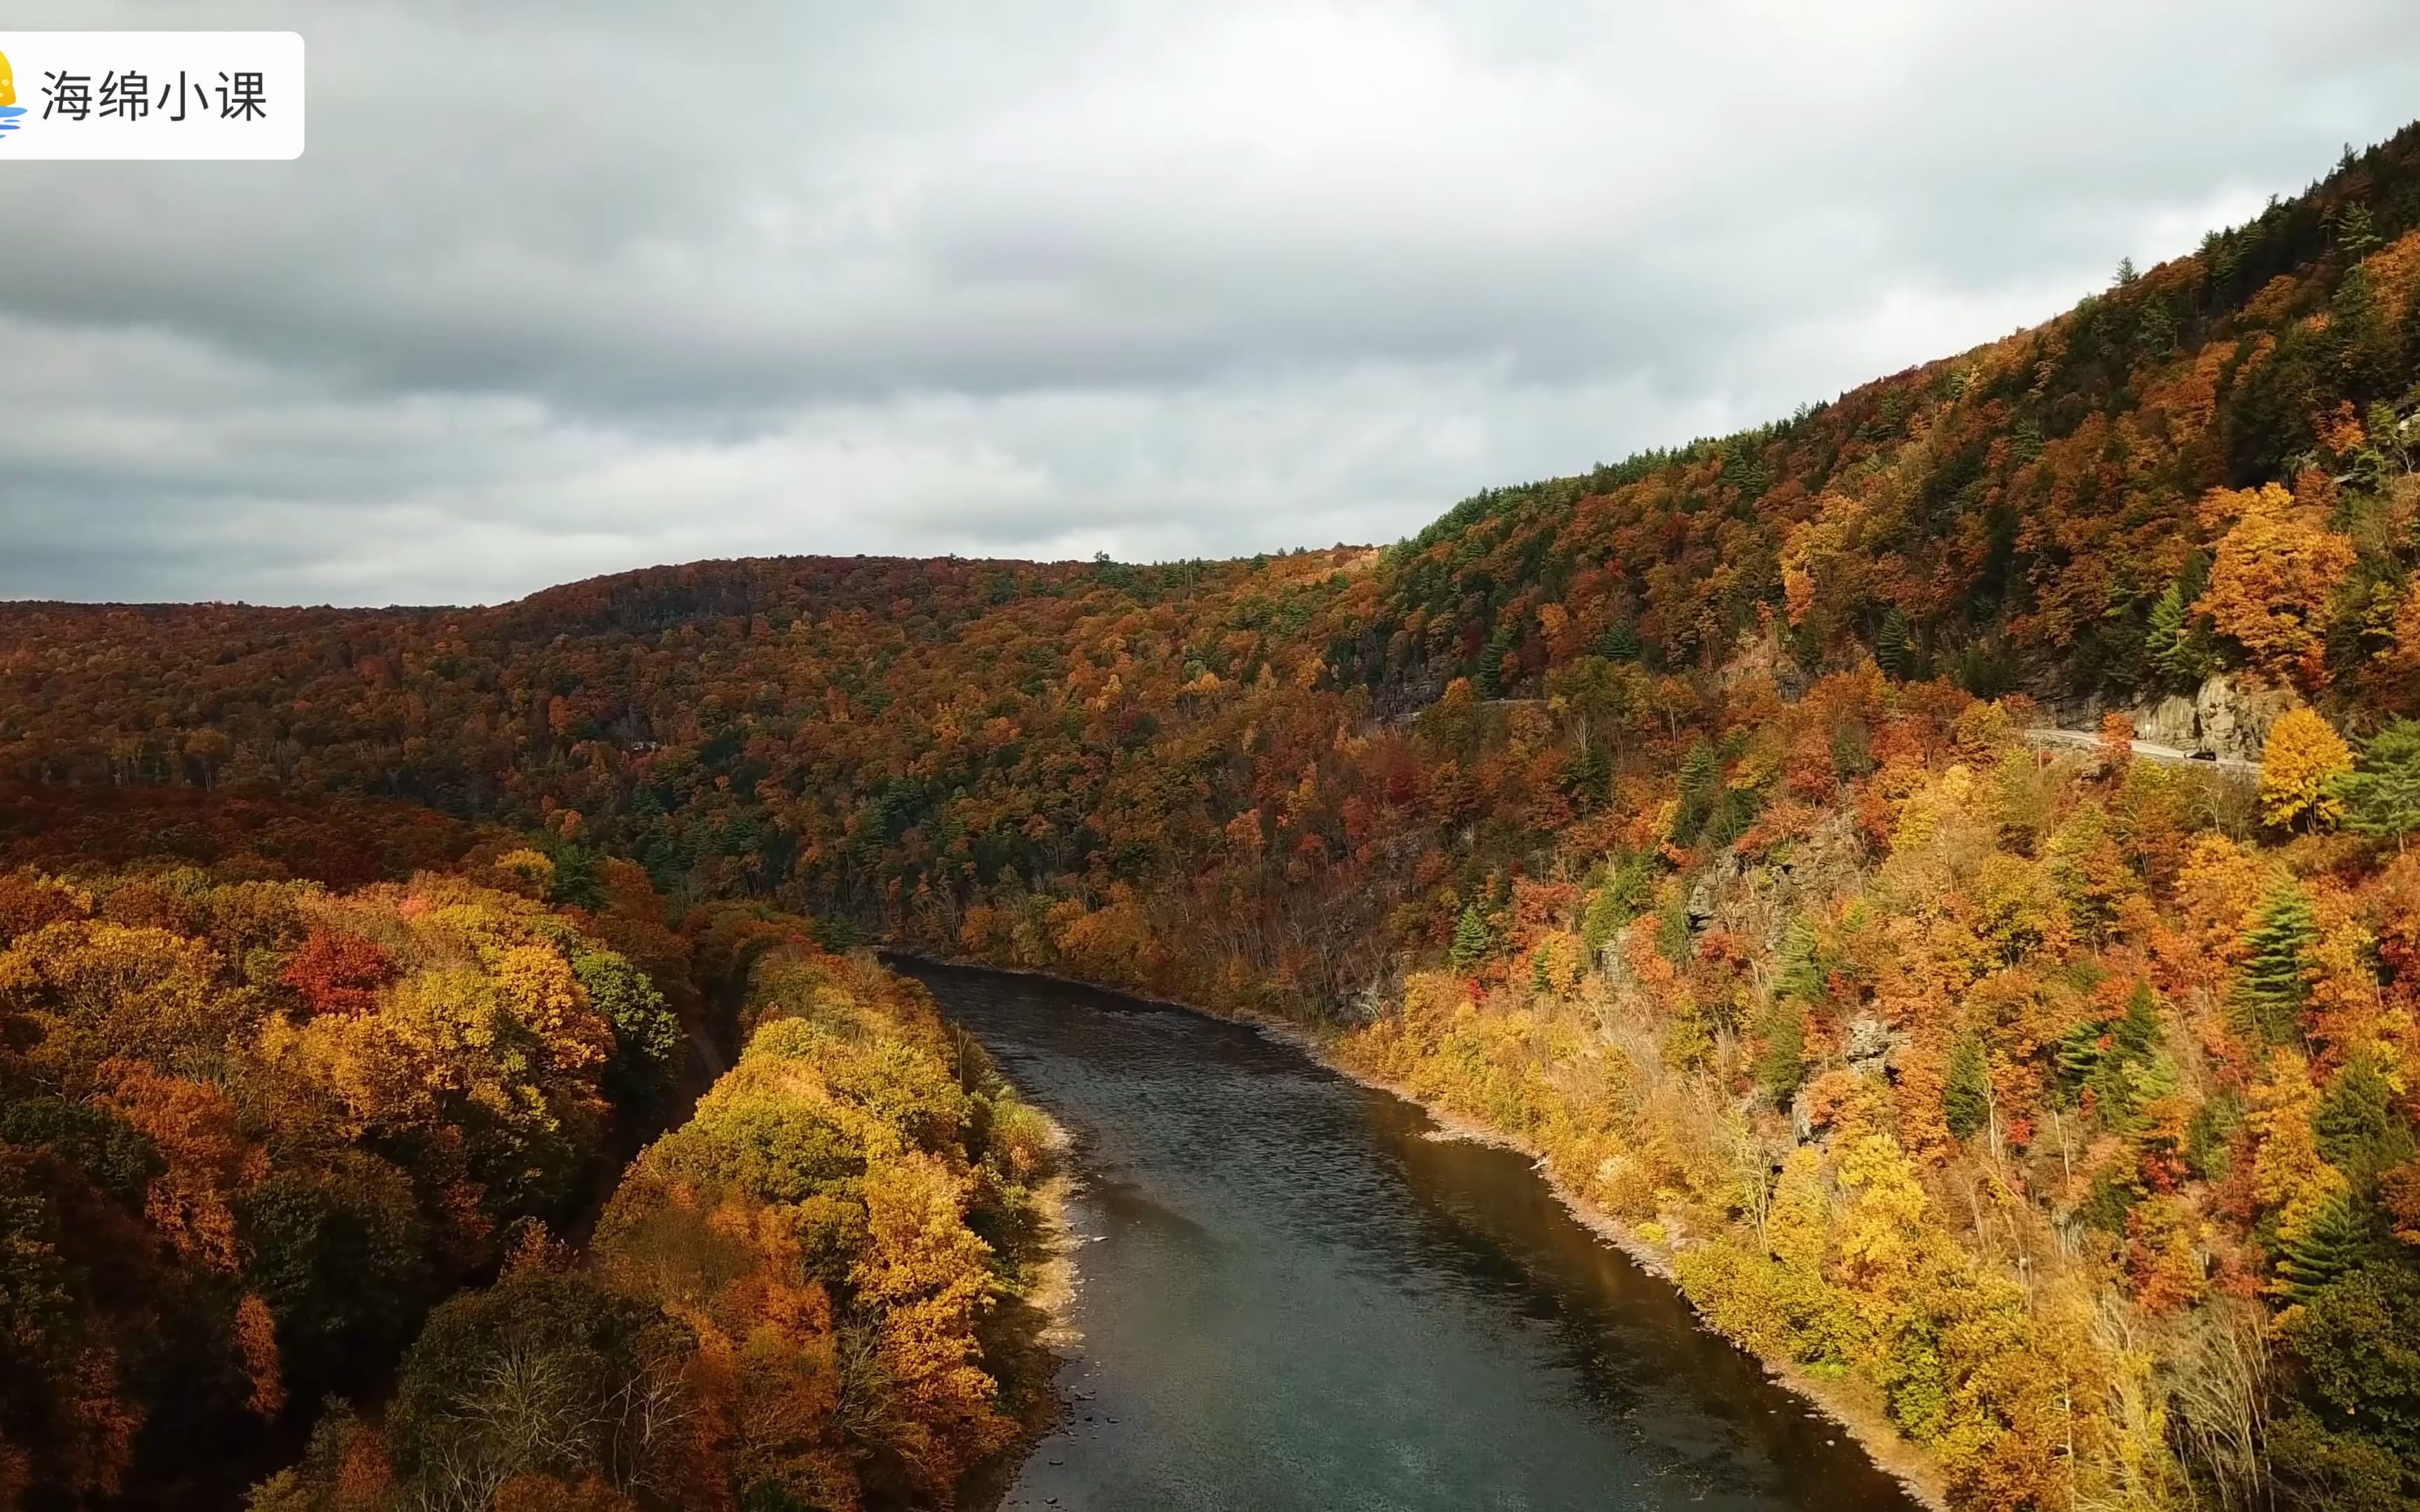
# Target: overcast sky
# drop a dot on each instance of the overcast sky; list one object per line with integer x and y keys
{"x": 563, "y": 290}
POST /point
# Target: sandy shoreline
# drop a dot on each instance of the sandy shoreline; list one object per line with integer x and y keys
{"x": 1053, "y": 1293}
{"x": 1890, "y": 1452}
{"x": 1050, "y": 1296}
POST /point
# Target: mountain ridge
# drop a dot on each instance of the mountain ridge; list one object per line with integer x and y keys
{"x": 1677, "y": 819}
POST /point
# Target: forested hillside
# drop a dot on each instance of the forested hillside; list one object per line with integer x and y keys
{"x": 282, "y": 1164}
{"x": 1679, "y": 819}
{"x": 791, "y": 1302}
{"x": 251, "y": 1129}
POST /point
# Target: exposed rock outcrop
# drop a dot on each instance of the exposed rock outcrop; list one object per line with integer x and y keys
{"x": 2227, "y": 717}
{"x": 2173, "y": 721}
{"x": 2232, "y": 713}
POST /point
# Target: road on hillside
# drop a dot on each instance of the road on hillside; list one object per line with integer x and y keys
{"x": 2148, "y": 751}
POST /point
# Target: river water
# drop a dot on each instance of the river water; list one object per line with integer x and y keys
{"x": 1294, "y": 1295}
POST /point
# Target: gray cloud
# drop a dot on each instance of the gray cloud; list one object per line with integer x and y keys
{"x": 560, "y": 290}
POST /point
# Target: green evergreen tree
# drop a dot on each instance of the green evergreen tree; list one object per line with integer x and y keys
{"x": 1782, "y": 1064}
{"x": 2209, "y": 1136}
{"x": 1800, "y": 972}
{"x": 2368, "y": 349}
{"x": 2099, "y": 1053}
{"x": 576, "y": 881}
{"x": 2370, "y": 473}
{"x": 1894, "y": 648}
{"x": 2146, "y": 1083}
{"x": 2080, "y": 1054}
{"x": 1966, "y": 1100}
{"x": 1619, "y": 642}
{"x": 2381, "y": 794}
{"x": 2357, "y": 231}
{"x": 1701, "y": 780}
{"x": 2410, "y": 335}
{"x": 1624, "y": 894}
{"x": 1492, "y": 663}
{"x": 1674, "y": 939}
{"x": 2360, "y": 1133}
{"x": 2155, "y": 333}
{"x": 2136, "y": 1033}
{"x": 2336, "y": 1240}
{"x": 2272, "y": 986}
{"x": 2165, "y": 630}
{"x": 2172, "y": 646}
{"x": 2125, "y": 1048}
{"x": 1473, "y": 940}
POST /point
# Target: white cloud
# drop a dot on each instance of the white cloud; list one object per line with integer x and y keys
{"x": 566, "y": 290}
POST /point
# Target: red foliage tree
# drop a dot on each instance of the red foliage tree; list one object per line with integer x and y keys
{"x": 338, "y": 973}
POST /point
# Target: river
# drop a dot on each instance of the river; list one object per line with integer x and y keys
{"x": 1293, "y": 1294}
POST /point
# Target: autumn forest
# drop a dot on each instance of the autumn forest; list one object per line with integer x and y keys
{"x": 1937, "y": 871}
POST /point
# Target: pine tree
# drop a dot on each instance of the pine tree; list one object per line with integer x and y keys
{"x": 2209, "y": 1136}
{"x": 2272, "y": 986}
{"x": 2176, "y": 654}
{"x": 2166, "y": 629}
{"x": 1473, "y": 941}
{"x": 2155, "y": 333}
{"x": 2136, "y": 1033}
{"x": 2080, "y": 1054}
{"x": 2368, "y": 350}
{"x": 2360, "y": 1134}
{"x": 2322, "y": 1248}
{"x": 1493, "y": 662}
{"x": 2357, "y": 231}
{"x": 1621, "y": 641}
{"x": 2381, "y": 795}
{"x": 1966, "y": 1100}
{"x": 1893, "y": 650}
{"x": 1782, "y": 1065}
{"x": 1800, "y": 970}
{"x": 2411, "y": 332}
{"x": 1701, "y": 776}
{"x": 2113, "y": 1071}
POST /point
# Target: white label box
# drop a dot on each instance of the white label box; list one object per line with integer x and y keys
{"x": 151, "y": 94}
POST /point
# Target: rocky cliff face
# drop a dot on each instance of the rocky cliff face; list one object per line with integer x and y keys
{"x": 2227, "y": 717}
{"x": 2174, "y": 720}
{"x": 2232, "y": 713}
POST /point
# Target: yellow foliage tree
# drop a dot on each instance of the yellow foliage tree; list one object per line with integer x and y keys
{"x": 526, "y": 871}
{"x": 2303, "y": 754}
{"x": 2288, "y": 1174}
{"x": 1882, "y": 1229}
